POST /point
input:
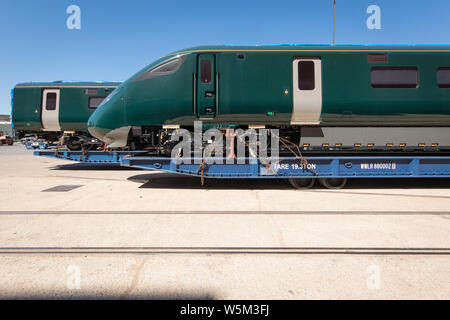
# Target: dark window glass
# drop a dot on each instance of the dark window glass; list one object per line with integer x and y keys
{"x": 205, "y": 74}
{"x": 168, "y": 66}
{"x": 443, "y": 77}
{"x": 164, "y": 68}
{"x": 91, "y": 91}
{"x": 50, "y": 101}
{"x": 94, "y": 102}
{"x": 306, "y": 75}
{"x": 377, "y": 58}
{"x": 394, "y": 77}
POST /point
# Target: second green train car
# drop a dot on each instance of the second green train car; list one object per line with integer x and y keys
{"x": 48, "y": 109}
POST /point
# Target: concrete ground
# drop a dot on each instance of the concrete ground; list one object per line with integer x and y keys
{"x": 124, "y": 233}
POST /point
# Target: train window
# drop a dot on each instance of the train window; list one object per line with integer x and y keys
{"x": 394, "y": 77}
{"x": 306, "y": 80}
{"x": 50, "y": 103}
{"x": 164, "y": 68}
{"x": 443, "y": 77}
{"x": 94, "y": 102}
{"x": 168, "y": 66}
{"x": 205, "y": 74}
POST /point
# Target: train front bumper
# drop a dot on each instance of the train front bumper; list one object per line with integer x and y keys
{"x": 116, "y": 138}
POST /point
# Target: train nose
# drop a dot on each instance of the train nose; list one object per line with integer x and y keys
{"x": 115, "y": 138}
{"x": 107, "y": 123}
{"x": 95, "y": 131}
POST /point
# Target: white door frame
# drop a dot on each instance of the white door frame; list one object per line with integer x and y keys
{"x": 307, "y": 104}
{"x": 50, "y": 118}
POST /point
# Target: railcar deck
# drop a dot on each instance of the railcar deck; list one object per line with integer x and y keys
{"x": 110, "y": 157}
{"x": 327, "y": 167}
{"x": 316, "y": 167}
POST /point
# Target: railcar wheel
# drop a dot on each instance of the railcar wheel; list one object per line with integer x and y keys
{"x": 73, "y": 144}
{"x": 299, "y": 183}
{"x": 333, "y": 183}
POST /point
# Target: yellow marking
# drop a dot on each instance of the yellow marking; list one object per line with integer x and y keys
{"x": 338, "y": 144}
{"x": 256, "y": 126}
{"x": 357, "y": 144}
{"x": 402, "y": 145}
{"x": 370, "y": 144}
{"x": 421, "y": 144}
{"x": 389, "y": 144}
{"x": 171, "y": 126}
{"x": 305, "y": 145}
{"x": 435, "y": 144}
{"x": 303, "y": 50}
{"x": 325, "y": 144}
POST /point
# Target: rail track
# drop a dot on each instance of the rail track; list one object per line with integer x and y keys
{"x": 220, "y": 250}
{"x": 223, "y": 250}
{"x": 268, "y": 212}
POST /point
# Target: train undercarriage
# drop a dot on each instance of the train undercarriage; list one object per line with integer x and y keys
{"x": 73, "y": 140}
{"x": 308, "y": 139}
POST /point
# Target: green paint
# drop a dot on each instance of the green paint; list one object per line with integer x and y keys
{"x": 73, "y": 104}
{"x": 251, "y": 90}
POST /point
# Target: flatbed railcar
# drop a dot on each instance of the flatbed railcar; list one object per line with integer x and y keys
{"x": 331, "y": 171}
{"x": 321, "y": 98}
{"x": 45, "y": 110}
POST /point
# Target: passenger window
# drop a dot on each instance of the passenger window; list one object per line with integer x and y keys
{"x": 205, "y": 74}
{"x": 443, "y": 77}
{"x": 50, "y": 101}
{"x": 394, "y": 77}
{"x": 306, "y": 79}
{"x": 94, "y": 102}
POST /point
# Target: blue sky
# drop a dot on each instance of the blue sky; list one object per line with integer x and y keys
{"x": 117, "y": 38}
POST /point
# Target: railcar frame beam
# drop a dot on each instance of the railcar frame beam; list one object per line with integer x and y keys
{"x": 317, "y": 167}
{"x": 285, "y": 167}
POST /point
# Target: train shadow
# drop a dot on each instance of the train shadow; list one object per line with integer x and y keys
{"x": 163, "y": 180}
{"x": 398, "y": 183}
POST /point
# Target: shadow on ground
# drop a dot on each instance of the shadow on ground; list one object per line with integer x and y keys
{"x": 162, "y": 180}
{"x": 96, "y": 296}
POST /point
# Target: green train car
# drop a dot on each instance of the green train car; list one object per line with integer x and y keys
{"x": 324, "y": 97}
{"x": 47, "y": 109}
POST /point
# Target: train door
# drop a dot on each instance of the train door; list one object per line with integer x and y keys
{"x": 50, "y": 110}
{"x": 206, "y": 94}
{"x": 307, "y": 91}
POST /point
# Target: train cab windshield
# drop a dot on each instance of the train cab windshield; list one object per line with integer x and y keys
{"x": 164, "y": 68}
